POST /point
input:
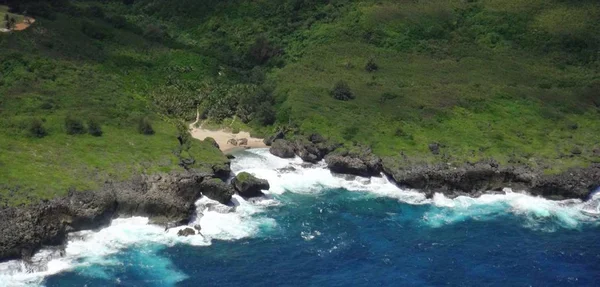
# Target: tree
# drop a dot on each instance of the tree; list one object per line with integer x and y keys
{"x": 341, "y": 91}
{"x": 74, "y": 126}
{"x": 145, "y": 126}
{"x": 94, "y": 128}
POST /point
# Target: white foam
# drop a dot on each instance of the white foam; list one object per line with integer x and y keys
{"x": 295, "y": 176}
{"x": 93, "y": 248}
{"x": 247, "y": 219}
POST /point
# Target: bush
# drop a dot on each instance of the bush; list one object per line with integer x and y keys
{"x": 94, "y": 128}
{"x": 36, "y": 129}
{"x": 341, "y": 91}
{"x": 74, "y": 126}
{"x": 145, "y": 126}
{"x": 371, "y": 66}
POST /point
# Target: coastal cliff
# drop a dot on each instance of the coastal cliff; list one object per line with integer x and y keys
{"x": 167, "y": 199}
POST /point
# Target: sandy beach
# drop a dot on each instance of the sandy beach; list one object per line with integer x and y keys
{"x": 223, "y": 137}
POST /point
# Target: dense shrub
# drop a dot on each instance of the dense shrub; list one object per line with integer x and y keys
{"x": 95, "y": 11}
{"x": 341, "y": 91}
{"x": 94, "y": 128}
{"x": 36, "y": 129}
{"x": 74, "y": 126}
{"x": 95, "y": 31}
{"x": 145, "y": 126}
{"x": 262, "y": 50}
{"x": 371, "y": 66}
{"x": 155, "y": 32}
{"x": 265, "y": 114}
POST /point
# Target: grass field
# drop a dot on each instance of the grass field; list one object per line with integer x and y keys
{"x": 514, "y": 80}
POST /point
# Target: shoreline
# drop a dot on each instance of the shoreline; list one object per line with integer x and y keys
{"x": 228, "y": 142}
{"x": 168, "y": 199}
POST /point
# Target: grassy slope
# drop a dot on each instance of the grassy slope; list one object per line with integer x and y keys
{"x": 54, "y": 70}
{"x": 508, "y": 79}
{"x": 504, "y": 99}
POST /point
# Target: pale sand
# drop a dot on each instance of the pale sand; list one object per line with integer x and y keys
{"x": 25, "y": 24}
{"x": 222, "y": 136}
{"x": 20, "y": 26}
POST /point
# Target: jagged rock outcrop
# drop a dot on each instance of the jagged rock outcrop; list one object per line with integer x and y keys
{"x": 488, "y": 176}
{"x": 574, "y": 183}
{"x": 218, "y": 190}
{"x": 166, "y": 199}
{"x": 278, "y": 135}
{"x": 361, "y": 163}
{"x": 248, "y": 185}
{"x": 283, "y": 149}
{"x": 186, "y": 232}
{"x": 311, "y": 149}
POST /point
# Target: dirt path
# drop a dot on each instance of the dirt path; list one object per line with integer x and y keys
{"x": 223, "y": 138}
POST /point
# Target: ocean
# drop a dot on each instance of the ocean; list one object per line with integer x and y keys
{"x": 313, "y": 228}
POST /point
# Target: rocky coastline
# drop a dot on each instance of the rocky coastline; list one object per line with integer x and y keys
{"x": 470, "y": 179}
{"x": 168, "y": 199}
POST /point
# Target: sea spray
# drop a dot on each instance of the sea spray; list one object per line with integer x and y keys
{"x": 92, "y": 252}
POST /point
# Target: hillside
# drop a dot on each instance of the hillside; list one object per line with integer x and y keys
{"x": 513, "y": 80}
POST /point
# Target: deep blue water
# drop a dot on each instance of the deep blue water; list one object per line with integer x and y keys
{"x": 360, "y": 239}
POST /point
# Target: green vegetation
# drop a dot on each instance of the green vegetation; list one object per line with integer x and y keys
{"x": 516, "y": 80}
{"x": 9, "y": 20}
{"x": 243, "y": 176}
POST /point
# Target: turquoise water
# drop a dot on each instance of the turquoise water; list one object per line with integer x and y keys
{"x": 319, "y": 230}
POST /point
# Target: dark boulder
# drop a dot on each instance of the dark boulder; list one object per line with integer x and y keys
{"x": 270, "y": 140}
{"x": 216, "y": 189}
{"x": 434, "y": 148}
{"x": 248, "y": 185}
{"x": 186, "y": 232}
{"x": 212, "y": 142}
{"x": 308, "y": 151}
{"x": 222, "y": 170}
{"x": 232, "y": 142}
{"x": 283, "y": 149}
